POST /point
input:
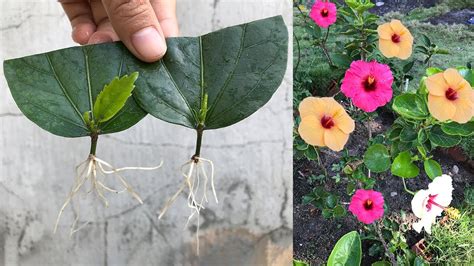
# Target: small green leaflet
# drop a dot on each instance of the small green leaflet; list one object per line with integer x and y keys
{"x": 113, "y": 97}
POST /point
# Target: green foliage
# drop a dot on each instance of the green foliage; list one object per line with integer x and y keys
{"x": 328, "y": 203}
{"x": 432, "y": 168}
{"x": 347, "y": 251}
{"x": 237, "y": 76}
{"x": 452, "y": 242}
{"x": 404, "y": 167}
{"x": 377, "y": 158}
{"x": 113, "y": 97}
{"x": 57, "y": 90}
{"x": 299, "y": 263}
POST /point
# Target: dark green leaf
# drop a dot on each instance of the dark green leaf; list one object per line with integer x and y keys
{"x": 408, "y": 66}
{"x": 331, "y": 201}
{"x": 408, "y": 134}
{"x": 432, "y": 168}
{"x": 239, "y": 68}
{"x": 377, "y": 158}
{"x": 113, "y": 97}
{"x": 339, "y": 211}
{"x": 439, "y": 138}
{"x": 341, "y": 60}
{"x": 454, "y": 128}
{"x": 55, "y": 89}
{"x": 402, "y": 166}
{"x": 347, "y": 251}
{"x": 410, "y": 106}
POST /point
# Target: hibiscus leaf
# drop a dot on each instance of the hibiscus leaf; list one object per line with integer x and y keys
{"x": 432, "y": 168}
{"x": 439, "y": 138}
{"x": 237, "y": 68}
{"x": 454, "y": 128}
{"x": 403, "y": 166}
{"x": 113, "y": 97}
{"x": 56, "y": 90}
{"x": 377, "y": 158}
{"x": 410, "y": 106}
{"x": 347, "y": 251}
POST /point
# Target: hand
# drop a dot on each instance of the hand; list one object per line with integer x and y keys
{"x": 141, "y": 25}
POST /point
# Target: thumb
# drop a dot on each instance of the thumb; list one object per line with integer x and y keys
{"x": 136, "y": 24}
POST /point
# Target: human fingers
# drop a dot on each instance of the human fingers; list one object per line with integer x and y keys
{"x": 80, "y": 16}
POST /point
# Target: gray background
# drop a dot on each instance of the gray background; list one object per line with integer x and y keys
{"x": 252, "y": 223}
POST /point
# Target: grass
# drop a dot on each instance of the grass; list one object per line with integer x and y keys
{"x": 453, "y": 241}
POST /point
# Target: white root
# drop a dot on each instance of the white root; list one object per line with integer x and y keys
{"x": 197, "y": 194}
{"x": 88, "y": 171}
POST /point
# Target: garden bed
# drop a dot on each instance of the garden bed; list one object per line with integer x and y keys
{"x": 314, "y": 235}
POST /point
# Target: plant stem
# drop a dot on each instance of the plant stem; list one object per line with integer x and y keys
{"x": 320, "y": 162}
{"x": 405, "y": 187}
{"x": 94, "y": 138}
{"x": 299, "y": 54}
{"x": 385, "y": 246}
{"x": 197, "y": 153}
{"x": 325, "y": 49}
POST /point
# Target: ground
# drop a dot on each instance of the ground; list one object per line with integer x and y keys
{"x": 315, "y": 236}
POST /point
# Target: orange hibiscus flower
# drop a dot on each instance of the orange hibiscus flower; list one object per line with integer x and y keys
{"x": 450, "y": 97}
{"x": 324, "y": 123}
{"x": 395, "y": 40}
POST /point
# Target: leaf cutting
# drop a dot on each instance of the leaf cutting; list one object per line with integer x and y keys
{"x": 73, "y": 93}
{"x": 206, "y": 82}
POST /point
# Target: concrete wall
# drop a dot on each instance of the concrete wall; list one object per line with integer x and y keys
{"x": 250, "y": 226}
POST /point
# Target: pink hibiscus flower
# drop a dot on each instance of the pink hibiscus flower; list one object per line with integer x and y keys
{"x": 367, "y": 205}
{"x": 368, "y": 84}
{"x": 323, "y": 13}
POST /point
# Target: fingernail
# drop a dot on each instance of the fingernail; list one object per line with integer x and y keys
{"x": 149, "y": 43}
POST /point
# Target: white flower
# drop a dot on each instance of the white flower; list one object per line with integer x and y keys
{"x": 430, "y": 203}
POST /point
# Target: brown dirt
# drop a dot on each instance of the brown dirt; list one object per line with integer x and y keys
{"x": 314, "y": 236}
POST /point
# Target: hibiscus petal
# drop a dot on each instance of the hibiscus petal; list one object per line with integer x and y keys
{"x": 436, "y": 84}
{"x": 311, "y": 131}
{"x": 398, "y": 27}
{"x": 452, "y": 77}
{"x": 344, "y": 122}
{"x": 385, "y": 31}
{"x": 441, "y": 108}
{"x": 335, "y": 139}
{"x": 311, "y": 106}
{"x": 464, "y": 107}
{"x": 388, "y": 48}
{"x": 418, "y": 203}
{"x": 405, "y": 49}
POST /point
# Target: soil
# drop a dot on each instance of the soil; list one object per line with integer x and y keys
{"x": 315, "y": 236}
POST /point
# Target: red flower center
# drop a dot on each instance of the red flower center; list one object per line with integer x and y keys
{"x": 324, "y": 12}
{"x": 451, "y": 94}
{"x": 370, "y": 83}
{"x": 327, "y": 122}
{"x": 431, "y": 202}
{"x": 368, "y": 205}
{"x": 395, "y": 38}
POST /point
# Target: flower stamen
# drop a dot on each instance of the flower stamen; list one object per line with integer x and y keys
{"x": 396, "y": 38}
{"x": 368, "y": 204}
{"x": 327, "y": 122}
{"x": 370, "y": 83}
{"x": 431, "y": 202}
{"x": 451, "y": 94}
{"x": 324, "y": 12}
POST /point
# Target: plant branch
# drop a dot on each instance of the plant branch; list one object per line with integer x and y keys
{"x": 197, "y": 153}
{"x": 320, "y": 162}
{"x": 325, "y": 49}
{"x": 405, "y": 187}
{"x": 94, "y": 138}
{"x": 385, "y": 246}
